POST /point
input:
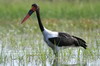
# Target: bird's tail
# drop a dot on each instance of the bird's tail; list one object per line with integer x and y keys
{"x": 81, "y": 42}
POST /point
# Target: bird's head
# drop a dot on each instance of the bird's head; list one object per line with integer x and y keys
{"x": 33, "y": 9}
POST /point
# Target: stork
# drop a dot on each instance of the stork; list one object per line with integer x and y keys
{"x": 54, "y": 39}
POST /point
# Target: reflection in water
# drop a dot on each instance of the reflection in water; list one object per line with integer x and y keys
{"x": 56, "y": 63}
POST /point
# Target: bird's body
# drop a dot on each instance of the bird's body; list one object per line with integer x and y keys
{"x": 56, "y": 39}
{"x": 49, "y": 34}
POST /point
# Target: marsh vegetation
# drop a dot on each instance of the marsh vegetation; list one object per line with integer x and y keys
{"x": 22, "y": 44}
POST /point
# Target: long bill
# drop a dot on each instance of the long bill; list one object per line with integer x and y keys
{"x": 28, "y": 15}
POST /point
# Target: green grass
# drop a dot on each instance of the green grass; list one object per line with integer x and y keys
{"x": 22, "y": 44}
{"x": 66, "y": 10}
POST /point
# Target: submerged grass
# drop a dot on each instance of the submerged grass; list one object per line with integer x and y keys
{"x": 22, "y": 44}
{"x": 25, "y": 45}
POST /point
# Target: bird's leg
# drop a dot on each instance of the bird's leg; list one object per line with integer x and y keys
{"x": 55, "y": 50}
{"x": 55, "y": 62}
{"x": 56, "y": 53}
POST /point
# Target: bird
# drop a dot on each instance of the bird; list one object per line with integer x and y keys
{"x": 54, "y": 39}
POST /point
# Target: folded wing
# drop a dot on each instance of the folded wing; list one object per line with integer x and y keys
{"x": 65, "y": 39}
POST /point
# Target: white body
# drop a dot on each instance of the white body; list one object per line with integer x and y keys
{"x": 50, "y": 34}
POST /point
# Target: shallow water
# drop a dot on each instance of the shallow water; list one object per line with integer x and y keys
{"x": 29, "y": 58}
{"x": 41, "y": 55}
{"x": 48, "y": 62}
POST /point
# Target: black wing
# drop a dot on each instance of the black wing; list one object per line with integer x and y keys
{"x": 81, "y": 42}
{"x": 65, "y": 39}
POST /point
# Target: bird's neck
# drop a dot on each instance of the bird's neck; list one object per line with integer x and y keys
{"x": 39, "y": 21}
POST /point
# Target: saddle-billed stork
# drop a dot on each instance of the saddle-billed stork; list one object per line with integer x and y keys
{"x": 55, "y": 40}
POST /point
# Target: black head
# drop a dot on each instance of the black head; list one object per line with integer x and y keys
{"x": 34, "y": 5}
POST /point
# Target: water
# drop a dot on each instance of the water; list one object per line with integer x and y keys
{"x": 34, "y": 52}
{"x": 25, "y": 58}
{"x": 22, "y": 49}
